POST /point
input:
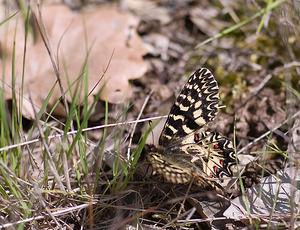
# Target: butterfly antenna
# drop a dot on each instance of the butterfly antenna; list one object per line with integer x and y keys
{"x": 221, "y": 106}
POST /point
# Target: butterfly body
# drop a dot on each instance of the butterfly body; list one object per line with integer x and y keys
{"x": 187, "y": 149}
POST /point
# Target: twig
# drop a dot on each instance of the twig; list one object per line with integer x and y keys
{"x": 267, "y": 133}
{"x": 257, "y": 89}
{"x": 269, "y": 76}
{"x": 41, "y": 217}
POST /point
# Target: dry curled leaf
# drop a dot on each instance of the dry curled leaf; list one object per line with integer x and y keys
{"x": 275, "y": 197}
{"x": 93, "y": 37}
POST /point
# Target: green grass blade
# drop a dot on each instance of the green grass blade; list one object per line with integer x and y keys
{"x": 239, "y": 25}
{"x": 266, "y": 10}
{"x": 7, "y": 19}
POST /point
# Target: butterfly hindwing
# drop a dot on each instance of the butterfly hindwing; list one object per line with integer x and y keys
{"x": 196, "y": 105}
{"x": 210, "y": 152}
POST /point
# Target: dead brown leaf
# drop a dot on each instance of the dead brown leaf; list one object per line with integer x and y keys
{"x": 95, "y": 36}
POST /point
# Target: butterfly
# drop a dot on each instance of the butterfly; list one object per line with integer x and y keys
{"x": 187, "y": 149}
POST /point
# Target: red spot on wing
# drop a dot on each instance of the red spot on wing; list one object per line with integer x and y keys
{"x": 196, "y": 137}
{"x": 221, "y": 162}
{"x": 216, "y": 146}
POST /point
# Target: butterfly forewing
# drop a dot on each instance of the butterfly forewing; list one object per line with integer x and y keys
{"x": 196, "y": 105}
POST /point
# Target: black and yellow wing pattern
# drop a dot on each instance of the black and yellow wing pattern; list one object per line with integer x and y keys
{"x": 187, "y": 148}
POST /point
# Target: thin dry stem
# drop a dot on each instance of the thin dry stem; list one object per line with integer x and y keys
{"x": 45, "y": 37}
{"x": 135, "y": 124}
{"x": 83, "y": 130}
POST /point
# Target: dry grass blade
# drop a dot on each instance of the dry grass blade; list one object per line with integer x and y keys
{"x": 43, "y": 32}
{"x": 83, "y": 130}
{"x": 135, "y": 124}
